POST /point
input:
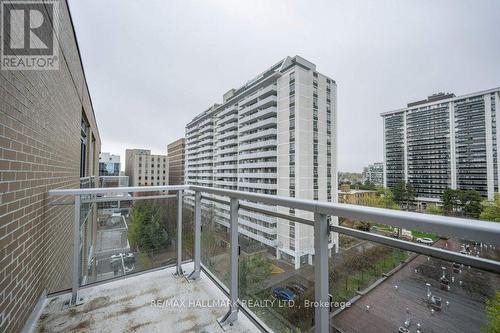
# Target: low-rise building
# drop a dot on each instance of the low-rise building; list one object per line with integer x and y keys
{"x": 146, "y": 169}
{"x": 354, "y": 196}
{"x": 109, "y": 164}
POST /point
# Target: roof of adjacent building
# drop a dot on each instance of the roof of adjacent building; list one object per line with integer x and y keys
{"x": 438, "y": 98}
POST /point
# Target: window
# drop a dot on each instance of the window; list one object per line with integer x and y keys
{"x": 84, "y": 135}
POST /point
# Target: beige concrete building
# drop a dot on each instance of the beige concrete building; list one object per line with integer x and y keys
{"x": 274, "y": 135}
{"x": 176, "y": 160}
{"x": 48, "y": 139}
{"x": 145, "y": 169}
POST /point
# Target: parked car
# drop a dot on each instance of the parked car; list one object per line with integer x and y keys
{"x": 297, "y": 288}
{"x": 425, "y": 240}
{"x": 284, "y": 294}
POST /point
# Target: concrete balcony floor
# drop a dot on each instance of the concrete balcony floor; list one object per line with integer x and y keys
{"x": 125, "y": 305}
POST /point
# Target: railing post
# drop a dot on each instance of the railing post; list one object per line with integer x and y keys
{"x": 321, "y": 312}
{"x": 197, "y": 237}
{"x": 75, "y": 282}
{"x": 232, "y": 313}
{"x": 179, "y": 233}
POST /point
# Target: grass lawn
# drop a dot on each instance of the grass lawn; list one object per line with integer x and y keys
{"x": 420, "y": 234}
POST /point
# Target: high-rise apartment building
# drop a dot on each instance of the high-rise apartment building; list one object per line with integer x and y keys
{"x": 48, "y": 139}
{"x": 176, "y": 161}
{"x": 109, "y": 164}
{"x": 274, "y": 135}
{"x": 145, "y": 169}
{"x": 444, "y": 141}
{"x": 374, "y": 173}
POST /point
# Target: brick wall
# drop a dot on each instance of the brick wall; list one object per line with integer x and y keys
{"x": 40, "y": 120}
{"x": 176, "y": 160}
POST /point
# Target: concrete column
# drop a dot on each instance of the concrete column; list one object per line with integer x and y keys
{"x": 232, "y": 313}
{"x": 322, "y": 310}
{"x": 197, "y": 237}
{"x": 179, "y": 270}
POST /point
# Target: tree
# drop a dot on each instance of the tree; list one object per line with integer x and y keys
{"x": 368, "y": 186}
{"x": 253, "y": 271}
{"x": 145, "y": 229}
{"x": 492, "y": 314}
{"x": 462, "y": 202}
{"x": 363, "y": 226}
{"x": 403, "y": 193}
{"x": 470, "y": 201}
{"x": 410, "y": 195}
{"x": 398, "y": 192}
{"x": 451, "y": 201}
{"x": 383, "y": 199}
{"x": 434, "y": 210}
{"x": 212, "y": 237}
{"x": 491, "y": 211}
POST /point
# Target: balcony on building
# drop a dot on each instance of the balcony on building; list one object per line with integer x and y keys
{"x": 197, "y": 274}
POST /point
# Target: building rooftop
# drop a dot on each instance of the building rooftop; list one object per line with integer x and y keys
{"x": 140, "y": 304}
{"x": 391, "y": 306}
{"x": 443, "y": 98}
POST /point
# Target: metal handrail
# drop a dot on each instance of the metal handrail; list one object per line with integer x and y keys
{"x": 474, "y": 230}
{"x": 445, "y": 226}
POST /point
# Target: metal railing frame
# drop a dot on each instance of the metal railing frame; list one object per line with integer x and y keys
{"x": 473, "y": 230}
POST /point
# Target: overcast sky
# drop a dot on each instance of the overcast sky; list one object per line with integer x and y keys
{"x": 151, "y": 66}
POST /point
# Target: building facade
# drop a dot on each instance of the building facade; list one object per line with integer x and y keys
{"x": 374, "y": 173}
{"x": 109, "y": 164}
{"x": 444, "y": 141}
{"x": 176, "y": 161}
{"x": 145, "y": 169}
{"x": 354, "y": 196}
{"x": 48, "y": 139}
{"x": 274, "y": 135}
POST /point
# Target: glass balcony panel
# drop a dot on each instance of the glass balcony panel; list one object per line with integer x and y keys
{"x": 128, "y": 236}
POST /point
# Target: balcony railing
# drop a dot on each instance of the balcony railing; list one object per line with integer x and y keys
{"x": 323, "y": 225}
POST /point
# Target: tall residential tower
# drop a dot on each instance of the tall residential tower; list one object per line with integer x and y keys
{"x": 274, "y": 135}
{"x": 444, "y": 142}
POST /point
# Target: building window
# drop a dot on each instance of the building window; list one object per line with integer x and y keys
{"x": 84, "y": 136}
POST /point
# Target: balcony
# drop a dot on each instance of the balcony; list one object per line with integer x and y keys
{"x": 261, "y": 104}
{"x": 265, "y": 123}
{"x": 271, "y": 142}
{"x": 138, "y": 304}
{"x": 376, "y": 283}
{"x": 270, "y": 132}
{"x": 262, "y": 114}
